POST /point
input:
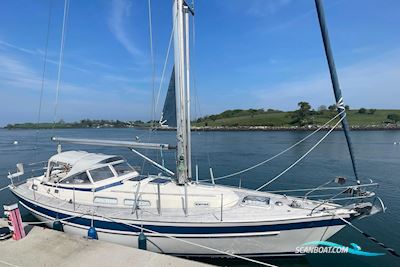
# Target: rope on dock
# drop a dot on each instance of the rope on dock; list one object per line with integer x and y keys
{"x": 57, "y": 220}
{"x": 373, "y": 239}
{"x": 8, "y": 263}
{"x": 4, "y": 188}
{"x": 192, "y": 243}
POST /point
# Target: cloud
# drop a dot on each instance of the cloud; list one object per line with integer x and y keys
{"x": 120, "y": 13}
{"x": 15, "y": 73}
{"x": 4, "y": 44}
{"x": 19, "y": 93}
{"x": 38, "y": 52}
{"x": 99, "y": 64}
{"x": 374, "y": 83}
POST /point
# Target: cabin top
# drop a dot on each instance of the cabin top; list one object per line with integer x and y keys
{"x": 75, "y": 164}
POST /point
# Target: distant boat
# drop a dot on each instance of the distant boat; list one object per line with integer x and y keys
{"x": 15, "y": 142}
{"x": 91, "y": 191}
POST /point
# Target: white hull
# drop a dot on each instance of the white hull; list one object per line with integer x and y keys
{"x": 282, "y": 244}
{"x": 261, "y": 244}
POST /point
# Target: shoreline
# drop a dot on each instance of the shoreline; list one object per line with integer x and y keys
{"x": 240, "y": 128}
{"x": 284, "y": 128}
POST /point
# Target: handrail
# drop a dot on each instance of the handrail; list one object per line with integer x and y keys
{"x": 323, "y": 188}
{"x": 371, "y": 194}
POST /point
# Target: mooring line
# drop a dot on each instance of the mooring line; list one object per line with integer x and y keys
{"x": 8, "y": 263}
{"x": 373, "y": 239}
{"x": 4, "y": 188}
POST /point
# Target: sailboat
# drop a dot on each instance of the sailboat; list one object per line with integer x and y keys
{"x": 104, "y": 197}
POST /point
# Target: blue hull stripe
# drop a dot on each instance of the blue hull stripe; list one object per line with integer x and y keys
{"x": 249, "y": 255}
{"x": 87, "y": 189}
{"x": 178, "y": 229}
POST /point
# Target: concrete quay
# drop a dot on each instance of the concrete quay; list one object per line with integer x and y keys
{"x": 46, "y": 247}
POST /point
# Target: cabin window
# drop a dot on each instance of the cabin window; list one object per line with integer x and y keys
{"x": 101, "y": 173}
{"x": 122, "y": 168}
{"x": 141, "y": 203}
{"x": 80, "y": 178}
{"x": 105, "y": 200}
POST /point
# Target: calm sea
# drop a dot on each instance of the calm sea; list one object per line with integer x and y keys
{"x": 378, "y": 158}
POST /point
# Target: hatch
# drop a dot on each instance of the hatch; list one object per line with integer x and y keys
{"x": 256, "y": 200}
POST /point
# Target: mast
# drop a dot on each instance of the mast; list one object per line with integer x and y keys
{"x": 182, "y": 89}
{"x": 335, "y": 82}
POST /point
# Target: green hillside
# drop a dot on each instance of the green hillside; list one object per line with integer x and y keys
{"x": 281, "y": 119}
{"x": 303, "y": 117}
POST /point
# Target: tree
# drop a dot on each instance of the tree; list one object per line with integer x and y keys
{"x": 322, "y": 108}
{"x": 371, "y": 111}
{"x": 300, "y": 116}
{"x": 362, "y": 111}
{"x": 393, "y": 117}
{"x": 252, "y": 112}
{"x": 332, "y": 107}
{"x": 347, "y": 107}
{"x": 304, "y": 106}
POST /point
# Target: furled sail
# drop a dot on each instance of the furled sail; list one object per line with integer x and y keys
{"x": 168, "y": 116}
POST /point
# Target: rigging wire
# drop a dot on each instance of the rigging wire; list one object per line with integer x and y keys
{"x": 302, "y": 157}
{"x": 164, "y": 67}
{"x": 277, "y": 155}
{"x": 152, "y": 65}
{"x": 152, "y": 106}
{"x": 43, "y": 78}
{"x": 155, "y": 100}
{"x": 197, "y": 112}
{"x": 61, "y": 57}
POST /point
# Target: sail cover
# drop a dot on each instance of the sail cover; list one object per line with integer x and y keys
{"x": 168, "y": 116}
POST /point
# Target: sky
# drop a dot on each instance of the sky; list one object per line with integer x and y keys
{"x": 244, "y": 54}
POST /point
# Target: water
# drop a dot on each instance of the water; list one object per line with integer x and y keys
{"x": 378, "y": 158}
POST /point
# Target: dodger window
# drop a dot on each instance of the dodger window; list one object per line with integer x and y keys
{"x": 80, "y": 178}
{"x": 122, "y": 168}
{"x": 101, "y": 173}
